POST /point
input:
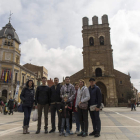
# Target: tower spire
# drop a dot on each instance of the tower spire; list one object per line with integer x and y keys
{"x": 10, "y": 16}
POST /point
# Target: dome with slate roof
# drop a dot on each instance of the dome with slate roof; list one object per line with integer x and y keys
{"x": 8, "y": 30}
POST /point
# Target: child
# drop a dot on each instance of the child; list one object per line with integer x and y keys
{"x": 65, "y": 108}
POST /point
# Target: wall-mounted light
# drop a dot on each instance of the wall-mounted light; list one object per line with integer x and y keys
{"x": 10, "y": 92}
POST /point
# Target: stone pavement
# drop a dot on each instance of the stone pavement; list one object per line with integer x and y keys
{"x": 117, "y": 124}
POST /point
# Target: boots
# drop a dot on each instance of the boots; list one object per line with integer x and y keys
{"x": 24, "y": 129}
{"x": 38, "y": 131}
{"x": 27, "y": 132}
{"x": 46, "y": 130}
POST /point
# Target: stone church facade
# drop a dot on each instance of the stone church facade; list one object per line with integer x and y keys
{"x": 98, "y": 62}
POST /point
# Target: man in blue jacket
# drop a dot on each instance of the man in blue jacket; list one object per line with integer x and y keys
{"x": 95, "y": 99}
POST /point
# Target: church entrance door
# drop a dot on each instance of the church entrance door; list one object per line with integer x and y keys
{"x": 103, "y": 91}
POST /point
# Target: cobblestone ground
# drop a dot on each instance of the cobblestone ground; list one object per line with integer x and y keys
{"x": 117, "y": 123}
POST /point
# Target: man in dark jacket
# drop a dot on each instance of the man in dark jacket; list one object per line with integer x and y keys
{"x": 95, "y": 99}
{"x": 11, "y": 105}
{"x": 42, "y": 101}
{"x": 55, "y": 100}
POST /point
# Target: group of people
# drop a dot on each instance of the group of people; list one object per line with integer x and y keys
{"x": 63, "y": 99}
{"x": 7, "y": 107}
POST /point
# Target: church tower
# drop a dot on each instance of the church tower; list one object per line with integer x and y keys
{"x": 98, "y": 63}
{"x": 98, "y": 59}
{"x": 97, "y": 49}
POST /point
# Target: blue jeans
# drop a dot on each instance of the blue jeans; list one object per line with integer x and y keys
{"x": 77, "y": 121}
{"x": 132, "y": 106}
{"x": 27, "y": 113}
{"x": 63, "y": 125}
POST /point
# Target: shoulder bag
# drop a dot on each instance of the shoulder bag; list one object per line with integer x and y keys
{"x": 83, "y": 105}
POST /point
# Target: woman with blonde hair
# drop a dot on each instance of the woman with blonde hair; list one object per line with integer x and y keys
{"x": 81, "y": 105}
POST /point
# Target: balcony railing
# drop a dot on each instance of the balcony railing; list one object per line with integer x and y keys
{"x": 2, "y": 81}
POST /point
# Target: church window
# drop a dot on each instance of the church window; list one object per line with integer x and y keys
{"x": 122, "y": 95}
{"x": 121, "y": 82}
{"x": 11, "y": 44}
{"x": 101, "y": 39}
{"x": 98, "y": 72}
{"x": 91, "y": 41}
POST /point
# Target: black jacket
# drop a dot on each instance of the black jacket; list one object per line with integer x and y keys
{"x": 55, "y": 94}
{"x": 65, "y": 111}
{"x": 27, "y": 96}
{"x": 11, "y": 104}
{"x": 42, "y": 95}
{"x": 95, "y": 96}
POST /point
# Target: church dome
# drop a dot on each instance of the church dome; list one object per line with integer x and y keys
{"x": 8, "y": 30}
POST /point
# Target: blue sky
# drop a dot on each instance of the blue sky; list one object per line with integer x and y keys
{"x": 50, "y": 32}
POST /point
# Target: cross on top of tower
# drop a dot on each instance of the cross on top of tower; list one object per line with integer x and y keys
{"x": 10, "y": 16}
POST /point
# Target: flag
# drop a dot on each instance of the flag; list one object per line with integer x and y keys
{"x": 9, "y": 76}
{"x": 6, "y": 76}
{"x": 16, "y": 92}
{"x": 2, "y": 75}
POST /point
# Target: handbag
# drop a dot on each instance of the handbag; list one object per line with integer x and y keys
{"x": 20, "y": 108}
{"x": 83, "y": 105}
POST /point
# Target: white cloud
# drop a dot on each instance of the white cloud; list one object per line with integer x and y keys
{"x": 125, "y": 35}
{"x": 59, "y": 62}
{"x": 59, "y": 23}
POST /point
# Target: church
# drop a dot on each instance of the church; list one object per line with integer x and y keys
{"x": 98, "y": 63}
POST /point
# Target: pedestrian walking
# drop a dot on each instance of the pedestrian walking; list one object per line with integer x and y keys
{"x": 27, "y": 97}
{"x": 11, "y": 105}
{"x": 64, "y": 110}
{"x": 82, "y": 107}
{"x": 95, "y": 100}
{"x": 1, "y": 106}
{"x": 133, "y": 100}
{"x": 55, "y": 100}
{"x": 42, "y": 102}
{"x": 75, "y": 110}
{"x": 68, "y": 89}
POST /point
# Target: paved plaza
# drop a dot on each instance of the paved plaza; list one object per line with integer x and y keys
{"x": 117, "y": 123}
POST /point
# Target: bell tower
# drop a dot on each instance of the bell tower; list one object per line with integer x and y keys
{"x": 97, "y": 48}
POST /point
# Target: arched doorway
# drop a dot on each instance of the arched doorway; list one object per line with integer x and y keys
{"x": 103, "y": 91}
{"x": 4, "y": 93}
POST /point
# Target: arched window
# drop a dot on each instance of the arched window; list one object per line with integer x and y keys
{"x": 101, "y": 40}
{"x": 91, "y": 41}
{"x": 8, "y": 43}
{"x": 5, "y": 43}
{"x": 98, "y": 72}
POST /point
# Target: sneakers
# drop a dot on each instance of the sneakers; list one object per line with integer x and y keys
{"x": 76, "y": 132}
{"x": 92, "y": 133}
{"x": 66, "y": 134}
{"x": 52, "y": 131}
{"x": 80, "y": 134}
{"x": 61, "y": 134}
{"x": 84, "y": 134}
{"x": 97, "y": 134}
